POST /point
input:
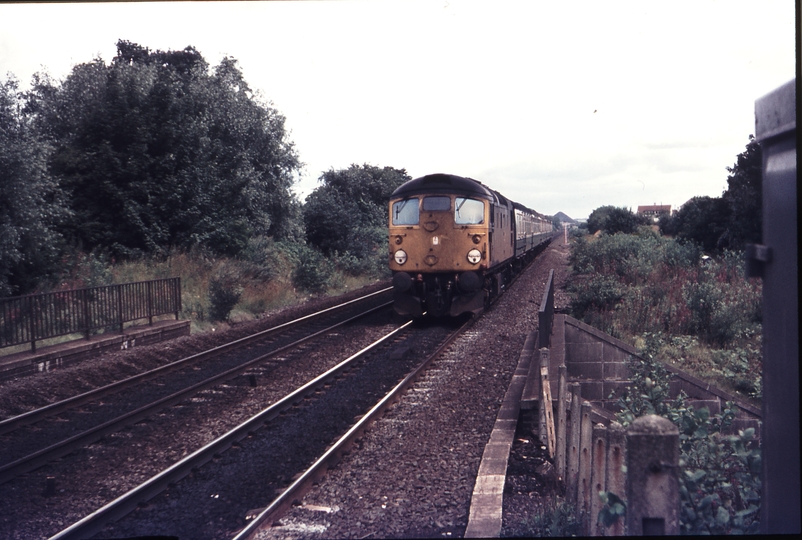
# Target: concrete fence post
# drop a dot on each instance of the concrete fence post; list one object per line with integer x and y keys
{"x": 562, "y": 410}
{"x": 583, "y": 482}
{"x": 652, "y": 482}
{"x": 615, "y": 477}
{"x": 598, "y": 477}
{"x": 573, "y": 445}
{"x": 546, "y": 427}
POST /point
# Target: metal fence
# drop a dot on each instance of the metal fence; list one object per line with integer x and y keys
{"x": 34, "y": 317}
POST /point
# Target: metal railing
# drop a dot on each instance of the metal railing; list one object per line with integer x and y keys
{"x": 34, "y": 317}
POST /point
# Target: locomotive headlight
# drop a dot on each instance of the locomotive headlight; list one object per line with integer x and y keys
{"x": 400, "y": 256}
{"x": 474, "y": 256}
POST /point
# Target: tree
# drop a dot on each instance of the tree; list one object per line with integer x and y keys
{"x": 611, "y": 220}
{"x": 155, "y": 152}
{"x": 730, "y": 221}
{"x": 703, "y": 220}
{"x": 744, "y": 196}
{"x": 348, "y": 212}
{"x": 31, "y": 206}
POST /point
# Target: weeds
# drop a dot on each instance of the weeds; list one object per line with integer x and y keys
{"x": 267, "y": 275}
{"x": 702, "y": 313}
{"x": 558, "y": 518}
{"x": 719, "y": 475}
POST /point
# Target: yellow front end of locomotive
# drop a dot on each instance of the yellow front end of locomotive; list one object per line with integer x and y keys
{"x": 438, "y": 234}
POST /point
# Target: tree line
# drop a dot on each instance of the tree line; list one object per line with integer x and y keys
{"x": 713, "y": 223}
{"x": 157, "y": 151}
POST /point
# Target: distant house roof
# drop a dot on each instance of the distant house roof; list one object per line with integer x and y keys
{"x": 654, "y": 209}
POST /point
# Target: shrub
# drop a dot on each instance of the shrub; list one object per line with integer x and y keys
{"x": 313, "y": 270}
{"x": 596, "y": 292}
{"x": 719, "y": 475}
{"x": 224, "y": 293}
{"x": 558, "y": 519}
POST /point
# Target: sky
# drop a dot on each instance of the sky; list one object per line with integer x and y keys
{"x": 561, "y": 106}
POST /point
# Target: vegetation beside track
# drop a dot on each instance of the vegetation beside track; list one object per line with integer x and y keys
{"x": 218, "y": 290}
{"x": 668, "y": 298}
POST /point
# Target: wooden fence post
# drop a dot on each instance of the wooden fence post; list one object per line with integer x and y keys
{"x": 652, "y": 482}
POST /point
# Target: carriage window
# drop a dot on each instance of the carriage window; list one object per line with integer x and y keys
{"x": 468, "y": 211}
{"x": 433, "y": 204}
{"x": 405, "y": 212}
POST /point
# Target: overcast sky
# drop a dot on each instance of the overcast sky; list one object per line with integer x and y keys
{"x": 562, "y": 106}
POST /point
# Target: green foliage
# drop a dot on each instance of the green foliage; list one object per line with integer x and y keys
{"x": 744, "y": 196}
{"x": 730, "y": 221}
{"x": 31, "y": 205}
{"x": 703, "y": 220}
{"x": 558, "y": 519}
{"x": 346, "y": 217}
{"x": 611, "y": 220}
{"x": 647, "y": 283}
{"x": 613, "y": 508}
{"x": 225, "y": 291}
{"x": 313, "y": 272}
{"x": 719, "y": 474}
{"x": 154, "y": 152}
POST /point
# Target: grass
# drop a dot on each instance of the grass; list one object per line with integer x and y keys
{"x": 264, "y": 279}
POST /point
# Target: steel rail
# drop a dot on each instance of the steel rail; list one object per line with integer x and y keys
{"x": 123, "y": 505}
{"x": 66, "y": 446}
{"x": 333, "y": 455}
{"x": 335, "y": 452}
{"x": 15, "y": 422}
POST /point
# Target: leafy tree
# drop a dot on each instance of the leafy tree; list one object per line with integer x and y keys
{"x": 348, "y": 212}
{"x": 703, "y": 220}
{"x": 611, "y": 220}
{"x": 730, "y": 221}
{"x": 31, "y": 206}
{"x": 744, "y": 196}
{"x": 155, "y": 152}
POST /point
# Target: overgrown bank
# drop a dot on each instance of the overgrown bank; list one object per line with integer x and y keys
{"x": 666, "y": 297}
{"x": 215, "y": 291}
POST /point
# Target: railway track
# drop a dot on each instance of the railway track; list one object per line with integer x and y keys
{"x": 276, "y": 454}
{"x": 37, "y": 437}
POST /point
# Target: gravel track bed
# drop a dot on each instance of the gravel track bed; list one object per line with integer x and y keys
{"x": 413, "y": 473}
{"x": 91, "y": 477}
{"x": 29, "y": 439}
{"x": 29, "y": 392}
{"x": 214, "y": 501}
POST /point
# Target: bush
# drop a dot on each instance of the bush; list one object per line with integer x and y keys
{"x": 224, "y": 293}
{"x": 558, "y": 519}
{"x": 597, "y": 292}
{"x": 719, "y": 475}
{"x": 313, "y": 270}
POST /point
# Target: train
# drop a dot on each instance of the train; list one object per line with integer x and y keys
{"x": 455, "y": 244}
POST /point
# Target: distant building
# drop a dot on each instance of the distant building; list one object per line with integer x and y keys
{"x": 654, "y": 211}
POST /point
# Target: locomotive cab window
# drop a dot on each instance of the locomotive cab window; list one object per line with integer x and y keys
{"x": 406, "y": 212}
{"x": 435, "y": 204}
{"x": 468, "y": 211}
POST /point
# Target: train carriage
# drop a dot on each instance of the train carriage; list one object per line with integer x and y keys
{"x": 454, "y": 243}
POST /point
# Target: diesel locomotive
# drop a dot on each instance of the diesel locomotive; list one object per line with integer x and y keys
{"x": 455, "y": 243}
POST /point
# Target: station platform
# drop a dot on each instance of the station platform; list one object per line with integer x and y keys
{"x": 70, "y": 352}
